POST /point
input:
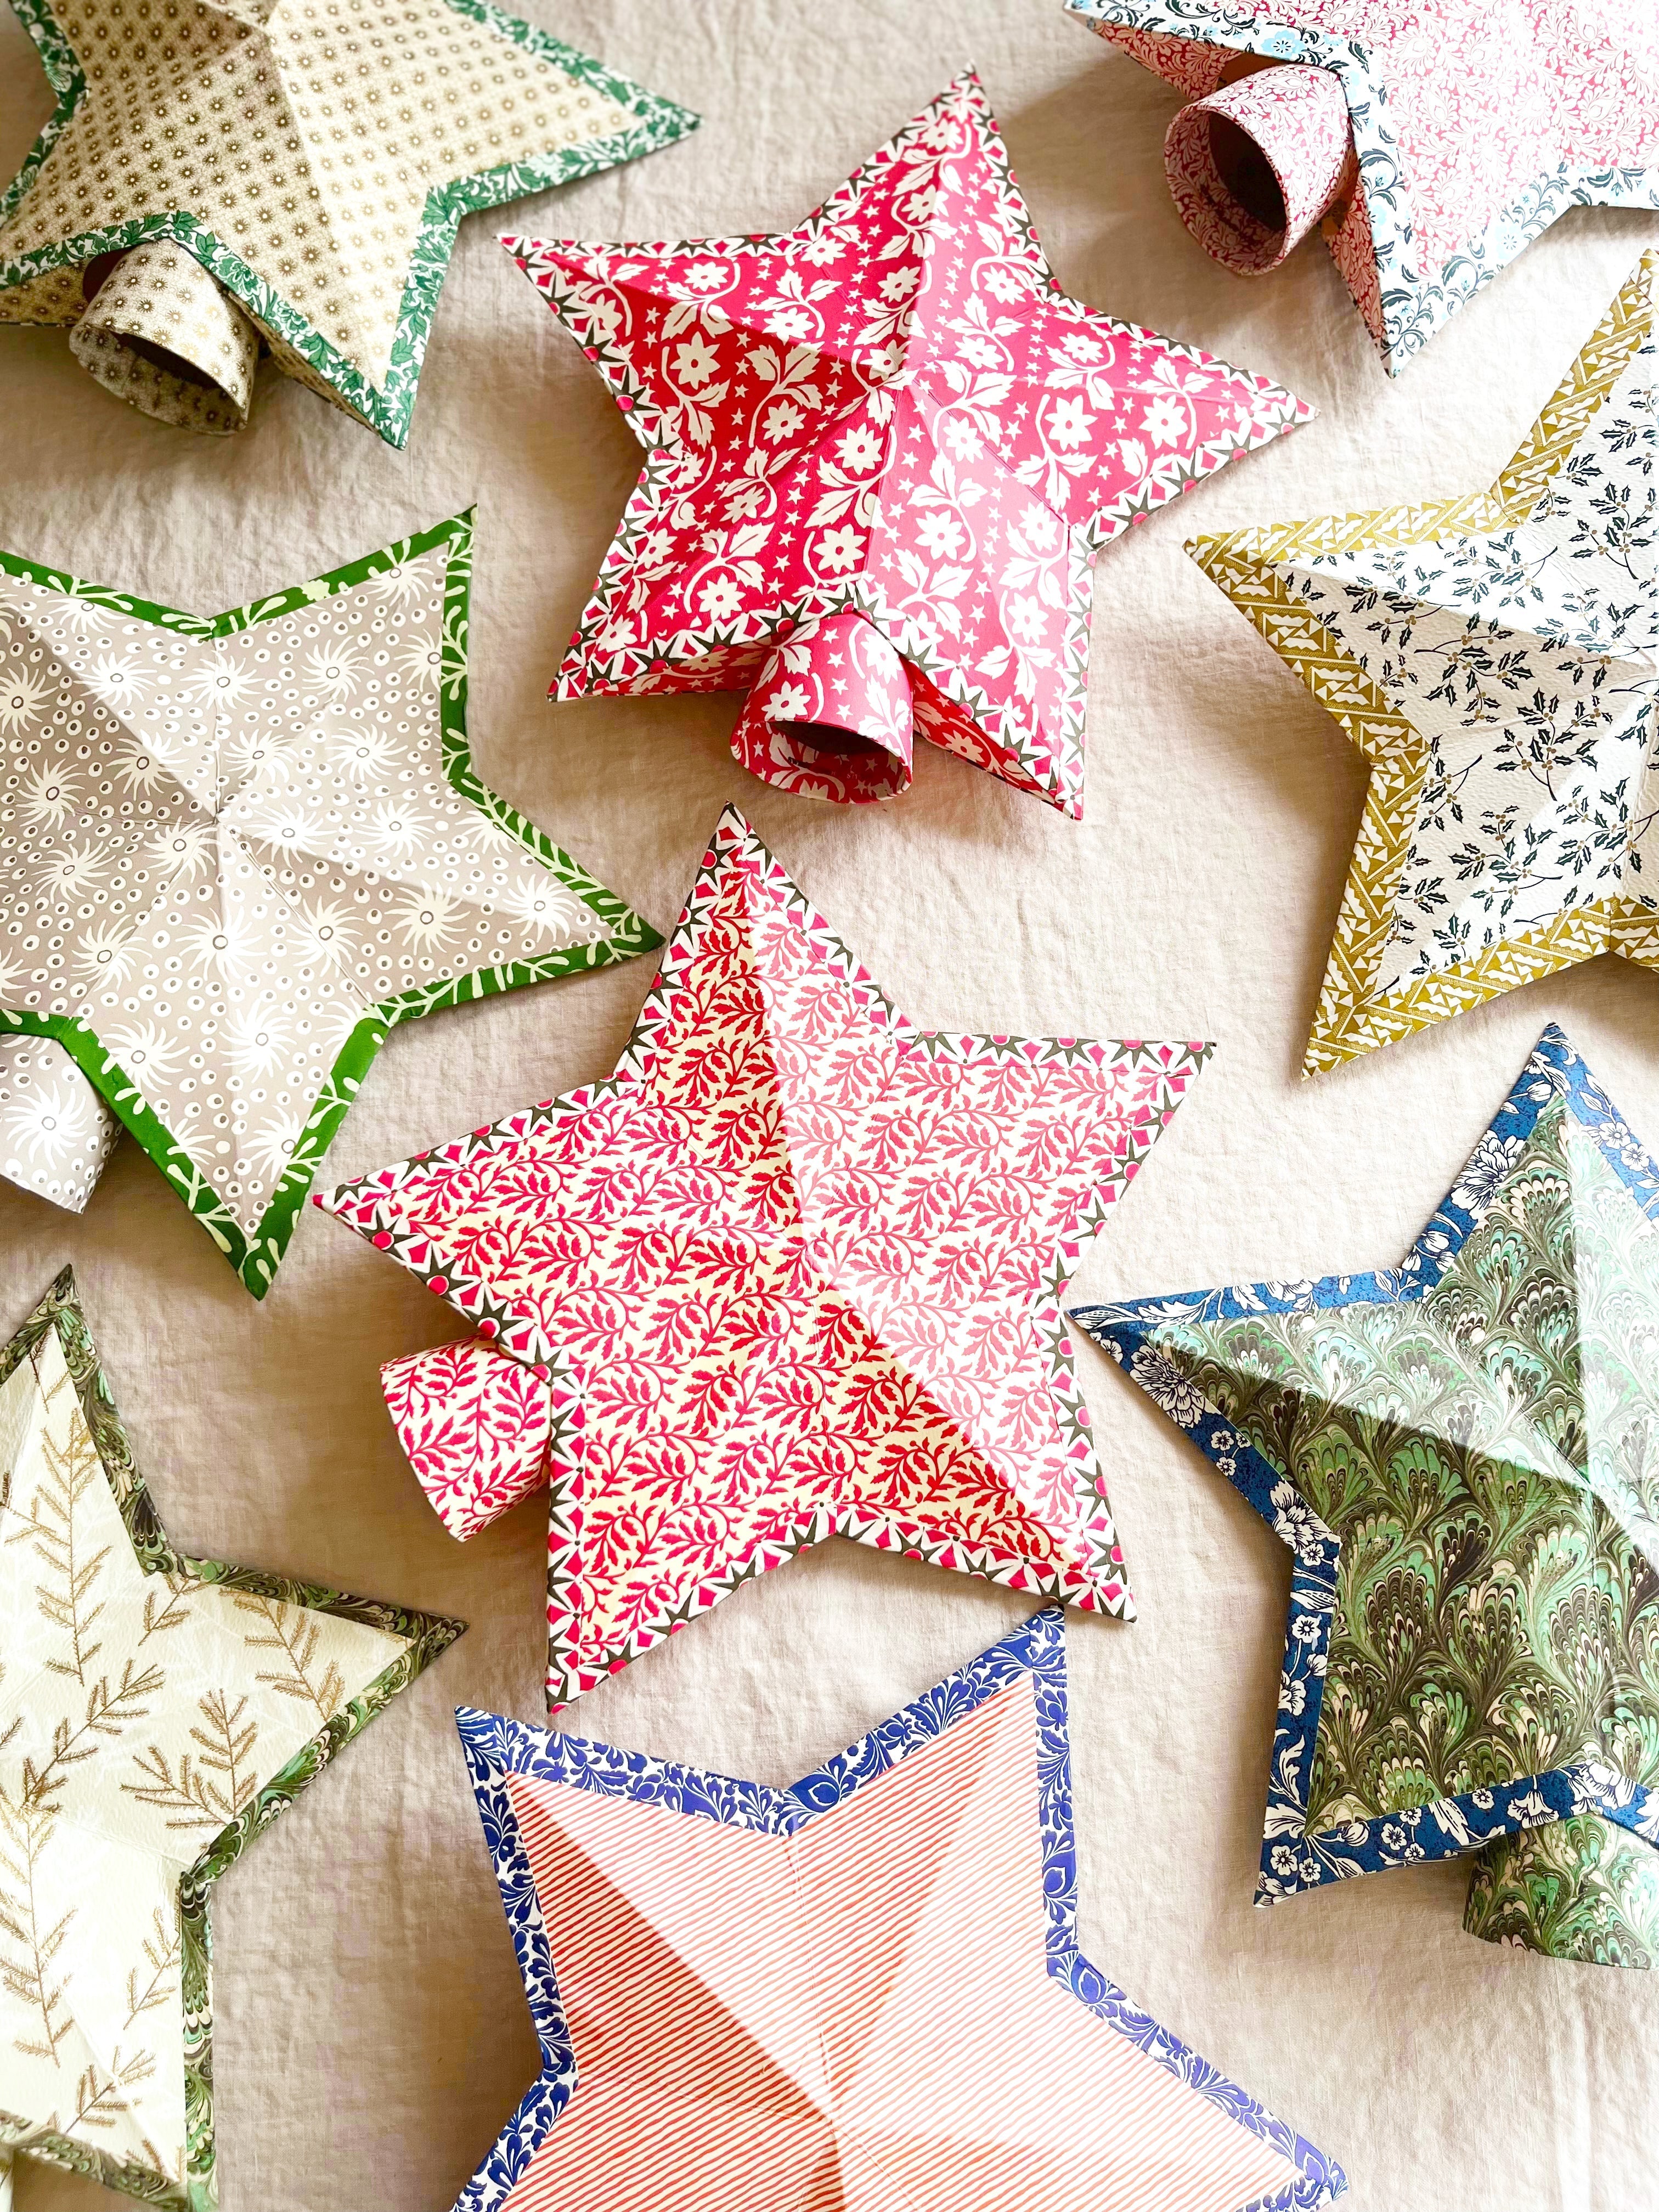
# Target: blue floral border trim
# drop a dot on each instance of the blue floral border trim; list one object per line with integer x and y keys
{"x": 1416, "y": 301}
{"x": 1292, "y": 1858}
{"x": 496, "y": 1748}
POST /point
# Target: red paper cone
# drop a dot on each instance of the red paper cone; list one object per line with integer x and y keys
{"x": 829, "y": 714}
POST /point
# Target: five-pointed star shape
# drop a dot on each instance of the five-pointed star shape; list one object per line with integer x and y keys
{"x": 793, "y": 1271}
{"x": 156, "y": 1713}
{"x": 863, "y": 1992}
{"x": 1468, "y": 145}
{"x": 237, "y": 850}
{"x": 316, "y": 156}
{"x": 1496, "y": 659}
{"x": 1463, "y": 1456}
{"x": 891, "y": 408}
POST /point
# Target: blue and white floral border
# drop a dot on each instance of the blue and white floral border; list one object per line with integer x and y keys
{"x": 1294, "y": 1859}
{"x": 1415, "y": 301}
{"x": 496, "y": 1748}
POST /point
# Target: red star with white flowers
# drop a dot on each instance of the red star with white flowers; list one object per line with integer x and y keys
{"x": 892, "y": 411}
{"x": 795, "y": 1270}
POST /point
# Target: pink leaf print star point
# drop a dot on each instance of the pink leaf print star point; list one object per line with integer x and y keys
{"x": 793, "y": 1271}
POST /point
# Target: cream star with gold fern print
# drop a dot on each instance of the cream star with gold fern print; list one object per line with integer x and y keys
{"x": 1497, "y": 660}
{"x": 156, "y": 1713}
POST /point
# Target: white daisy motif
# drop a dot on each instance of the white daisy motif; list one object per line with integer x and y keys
{"x": 221, "y": 680}
{"x": 395, "y": 831}
{"x": 322, "y": 934}
{"x": 144, "y": 1051}
{"x": 421, "y": 661}
{"x": 333, "y": 670}
{"x": 71, "y": 869}
{"x": 430, "y": 920}
{"x": 103, "y": 955}
{"x": 364, "y": 752}
{"x": 258, "y": 1038}
{"x": 123, "y": 677}
{"x": 47, "y": 797}
{"x": 23, "y": 693}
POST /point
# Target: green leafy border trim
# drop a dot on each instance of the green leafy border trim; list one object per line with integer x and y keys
{"x": 257, "y": 1257}
{"x": 427, "y": 1635}
{"x": 387, "y": 410}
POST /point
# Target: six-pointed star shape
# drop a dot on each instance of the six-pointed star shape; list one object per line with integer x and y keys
{"x": 864, "y": 1991}
{"x": 793, "y": 1271}
{"x": 315, "y": 156}
{"x": 892, "y": 410}
{"x": 1468, "y": 144}
{"x": 1463, "y": 1456}
{"x": 237, "y": 850}
{"x": 156, "y": 1713}
{"x": 1497, "y": 660}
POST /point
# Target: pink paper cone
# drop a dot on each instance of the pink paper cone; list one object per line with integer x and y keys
{"x": 829, "y": 714}
{"x": 475, "y": 1426}
{"x": 1253, "y": 166}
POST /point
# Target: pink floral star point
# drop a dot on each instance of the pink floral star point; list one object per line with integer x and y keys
{"x": 890, "y": 421}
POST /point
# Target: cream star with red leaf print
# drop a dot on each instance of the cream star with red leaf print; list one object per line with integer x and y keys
{"x": 794, "y": 1271}
{"x": 892, "y": 412}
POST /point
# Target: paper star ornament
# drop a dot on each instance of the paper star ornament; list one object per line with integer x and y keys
{"x": 237, "y": 850}
{"x": 1495, "y": 658}
{"x": 882, "y": 452}
{"x": 864, "y": 1991}
{"x": 286, "y": 171}
{"x": 1465, "y": 144}
{"x": 1463, "y": 1457}
{"x": 157, "y": 1712}
{"x": 792, "y": 1271}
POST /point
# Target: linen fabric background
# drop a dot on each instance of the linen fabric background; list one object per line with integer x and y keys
{"x": 370, "y": 2035}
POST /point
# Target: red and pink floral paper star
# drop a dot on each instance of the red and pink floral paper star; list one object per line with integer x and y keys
{"x": 794, "y": 1271}
{"x": 882, "y": 452}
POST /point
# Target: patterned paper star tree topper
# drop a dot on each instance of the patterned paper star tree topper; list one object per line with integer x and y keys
{"x": 238, "y": 850}
{"x": 1497, "y": 660}
{"x": 882, "y": 452}
{"x": 290, "y": 171}
{"x": 794, "y": 1271}
{"x": 863, "y": 1989}
{"x": 1463, "y": 1457}
{"x": 1469, "y": 140}
{"x": 157, "y": 1712}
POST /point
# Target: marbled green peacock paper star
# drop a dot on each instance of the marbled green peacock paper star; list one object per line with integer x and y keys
{"x": 1463, "y": 1457}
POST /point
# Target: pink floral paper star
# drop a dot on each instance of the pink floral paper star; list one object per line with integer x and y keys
{"x": 794, "y": 1271}
{"x": 882, "y": 452}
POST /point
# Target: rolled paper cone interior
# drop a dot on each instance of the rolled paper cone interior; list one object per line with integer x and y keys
{"x": 159, "y": 332}
{"x": 1254, "y": 165}
{"x": 56, "y": 1132}
{"x": 831, "y": 713}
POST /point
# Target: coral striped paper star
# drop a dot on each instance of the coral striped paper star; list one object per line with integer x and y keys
{"x": 864, "y": 1991}
{"x": 794, "y": 1271}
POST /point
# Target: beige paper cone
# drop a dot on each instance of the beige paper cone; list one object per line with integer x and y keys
{"x": 159, "y": 332}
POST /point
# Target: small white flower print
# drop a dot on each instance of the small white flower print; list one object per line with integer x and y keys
{"x": 1167, "y": 1387}
{"x": 695, "y": 362}
{"x": 1069, "y": 423}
